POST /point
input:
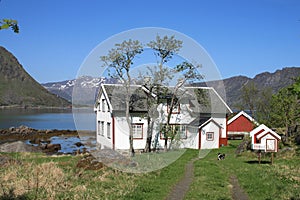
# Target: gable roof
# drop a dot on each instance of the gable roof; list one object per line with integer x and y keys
{"x": 115, "y": 95}
{"x": 262, "y": 130}
{"x": 200, "y": 99}
{"x": 245, "y": 115}
{"x": 210, "y": 120}
{"x": 206, "y": 100}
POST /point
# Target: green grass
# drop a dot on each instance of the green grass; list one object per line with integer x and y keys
{"x": 44, "y": 177}
{"x": 260, "y": 181}
{"x": 37, "y": 176}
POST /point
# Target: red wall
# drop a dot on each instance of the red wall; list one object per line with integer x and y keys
{"x": 241, "y": 124}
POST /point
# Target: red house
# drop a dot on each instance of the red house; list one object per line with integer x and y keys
{"x": 240, "y": 125}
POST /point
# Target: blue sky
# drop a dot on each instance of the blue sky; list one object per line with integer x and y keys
{"x": 242, "y": 37}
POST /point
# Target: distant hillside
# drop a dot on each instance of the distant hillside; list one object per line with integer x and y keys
{"x": 18, "y": 88}
{"x": 277, "y": 80}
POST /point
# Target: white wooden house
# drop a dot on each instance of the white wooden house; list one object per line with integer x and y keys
{"x": 264, "y": 139}
{"x": 199, "y": 119}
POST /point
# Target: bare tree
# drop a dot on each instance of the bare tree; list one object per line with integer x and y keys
{"x": 164, "y": 49}
{"x": 119, "y": 61}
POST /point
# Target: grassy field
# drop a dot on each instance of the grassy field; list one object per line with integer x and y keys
{"x": 261, "y": 181}
{"x": 35, "y": 176}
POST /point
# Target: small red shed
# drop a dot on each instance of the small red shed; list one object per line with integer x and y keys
{"x": 263, "y": 138}
{"x": 240, "y": 125}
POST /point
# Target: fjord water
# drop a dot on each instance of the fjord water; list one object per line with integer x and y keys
{"x": 61, "y": 119}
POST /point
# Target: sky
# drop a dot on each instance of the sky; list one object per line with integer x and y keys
{"x": 243, "y": 37}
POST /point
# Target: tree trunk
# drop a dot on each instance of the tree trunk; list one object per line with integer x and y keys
{"x": 128, "y": 119}
{"x": 149, "y": 135}
{"x": 166, "y": 144}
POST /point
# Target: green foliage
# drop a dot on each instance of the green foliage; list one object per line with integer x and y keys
{"x": 9, "y": 23}
{"x": 120, "y": 59}
{"x": 249, "y": 96}
{"x": 165, "y": 47}
{"x": 263, "y": 106}
{"x": 282, "y": 110}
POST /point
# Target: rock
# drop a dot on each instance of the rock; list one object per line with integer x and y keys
{"x": 51, "y": 148}
{"x": 48, "y": 131}
{"x": 88, "y": 162}
{"x": 78, "y": 144}
{"x": 243, "y": 146}
{"x": 18, "y": 146}
{"x": 35, "y": 141}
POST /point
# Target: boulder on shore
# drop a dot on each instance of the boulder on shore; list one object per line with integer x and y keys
{"x": 18, "y": 146}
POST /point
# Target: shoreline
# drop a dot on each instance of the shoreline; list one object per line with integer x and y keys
{"x": 35, "y": 107}
{"x": 25, "y": 133}
{"x": 39, "y": 140}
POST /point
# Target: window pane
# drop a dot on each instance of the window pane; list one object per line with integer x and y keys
{"x": 102, "y": 128}
{"x": 209, "y": 136}
{"x": 108, "y": 130}
{"x": 137, "y": 131}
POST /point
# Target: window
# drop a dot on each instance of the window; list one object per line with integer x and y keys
{"x": 270, "y": 145}
{"x": 102, "y": 128}
{"x": 103, "y": 105}
{"x": 108, "y": 130}
{"x": 176, "y": 129}
{"x": 209, "y": 136}
{"x": 137, "y": 131}
{"x": 98, "y": 128}
{"x": 182, "y": 132}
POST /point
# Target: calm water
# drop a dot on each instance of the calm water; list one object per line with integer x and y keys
{"x": 54, "y": 119}
{"x": 48, "y": 119}
{"x": 68, "y": 144}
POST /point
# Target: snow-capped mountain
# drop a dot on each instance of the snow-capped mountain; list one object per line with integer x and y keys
{"x": 86, "y": 87}
{"x": 84, "y": 84}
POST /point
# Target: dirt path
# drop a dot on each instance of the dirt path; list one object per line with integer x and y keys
{"x": 179, "y": 190}
{"x": 237, "y": 192}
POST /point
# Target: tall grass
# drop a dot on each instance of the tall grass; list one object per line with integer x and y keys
{"x": 36, "y": 176}
{"x": 44, "y": 177}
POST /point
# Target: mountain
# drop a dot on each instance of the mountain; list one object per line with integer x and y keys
{"x": 233, "y": 86}
{"x": 84, "y": 89}
{"x": 88, "y": 86}
{"x": 18, "y": 88}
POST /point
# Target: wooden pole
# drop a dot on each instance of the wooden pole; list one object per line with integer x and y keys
{"x": 259, "y": 157}
{"x": 272, "y": 158}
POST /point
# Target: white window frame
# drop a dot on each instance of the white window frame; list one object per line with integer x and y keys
{"x": 137, "y": 130}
